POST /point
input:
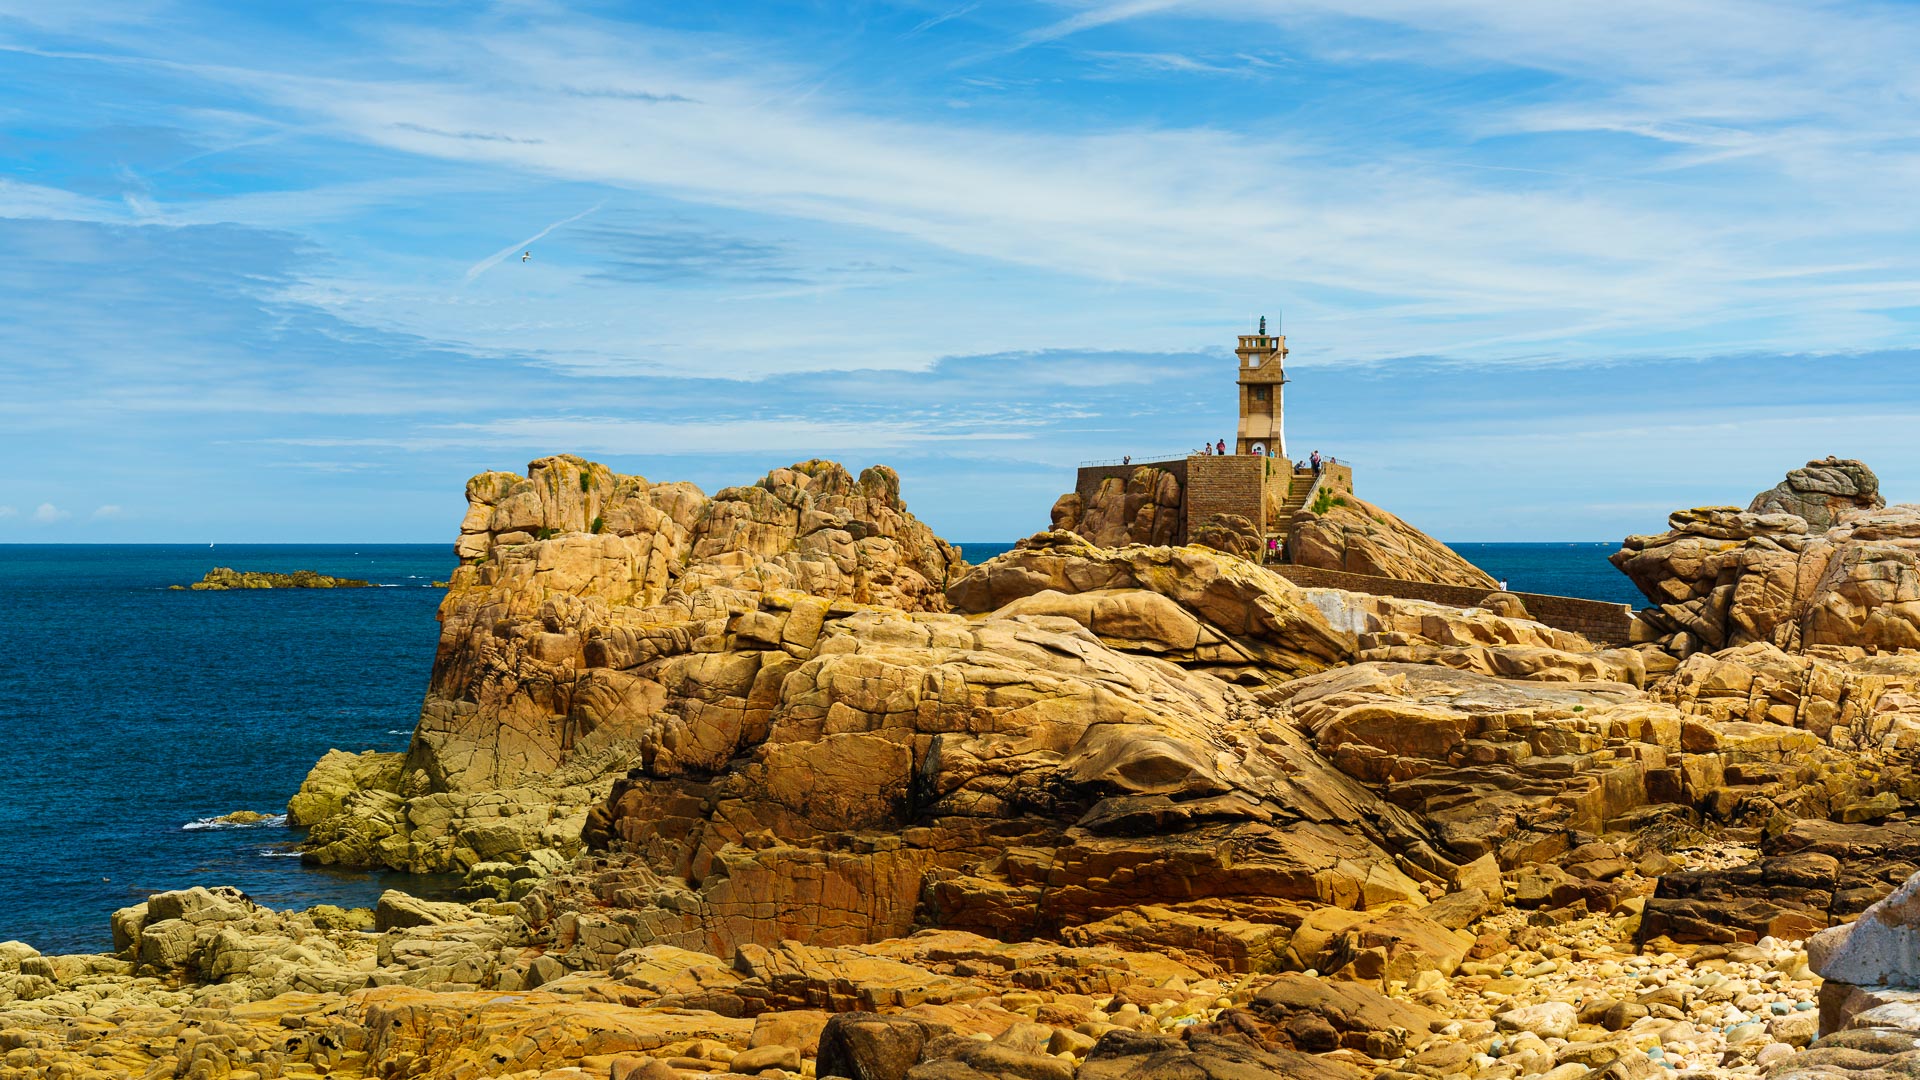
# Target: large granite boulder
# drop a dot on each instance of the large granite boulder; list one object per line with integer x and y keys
{"x": 1822, "y": 492}
{"x": 1724, "y": 577}
{"x": 1230, "y": 533}
{"x": 1880, "y": 948}
{"x": 1347, "y": 533}
{"x": 1192, "y": 605}
{"x": 1142, "y": 508}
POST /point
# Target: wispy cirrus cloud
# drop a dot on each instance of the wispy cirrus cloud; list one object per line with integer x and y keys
{"x": 693, "y": 436}
{"x": 1387, "y": 260}
{"x": 1236, "y": 67}
{"x": 472, "y": 136}
{"x": 667, "y": 253}
{"x": 284, "y": 238}
{"x": 629, "y": 95}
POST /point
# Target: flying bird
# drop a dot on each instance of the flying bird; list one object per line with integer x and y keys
{"x": 526, "y": 253}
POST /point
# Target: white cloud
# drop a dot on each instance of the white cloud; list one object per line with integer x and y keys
{"x": 1738, "y": 177}
{"x": 1093, "y": 16}
{"x": 1432, "y": 257}
{"x": 47, "y": 514}
{"x": 7, "y": 511}
{"x": 612, "y": 435}
{"x": 108, "y": 512}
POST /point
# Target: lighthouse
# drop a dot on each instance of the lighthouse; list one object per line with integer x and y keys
{"x": 1262, "y": 375}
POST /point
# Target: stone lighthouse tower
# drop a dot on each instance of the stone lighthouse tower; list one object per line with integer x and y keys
{"x": 1262, "y": 374}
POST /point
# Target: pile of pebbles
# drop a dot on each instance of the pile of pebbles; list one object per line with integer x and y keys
{"x": 1577, "y": 999}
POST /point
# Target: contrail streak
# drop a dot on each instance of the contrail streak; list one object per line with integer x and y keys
{"x": 498, "y": 257}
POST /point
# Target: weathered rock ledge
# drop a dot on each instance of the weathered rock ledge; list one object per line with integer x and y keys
{"x": 771, "y": 784}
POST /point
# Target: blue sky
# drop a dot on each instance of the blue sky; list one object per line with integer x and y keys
{"x": 1548, "y": 271}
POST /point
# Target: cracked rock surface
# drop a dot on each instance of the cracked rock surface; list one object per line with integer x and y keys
{"x": 770, "y": 783}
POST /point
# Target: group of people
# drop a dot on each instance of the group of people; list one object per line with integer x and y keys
{"x": 1219, "y": 448}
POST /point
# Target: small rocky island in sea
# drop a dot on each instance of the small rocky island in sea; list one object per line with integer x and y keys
{"x": 1229, "y": 774}
{"x": 222, "y": 577}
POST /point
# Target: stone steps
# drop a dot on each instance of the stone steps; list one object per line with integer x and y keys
{"x": 1297, "y": 489}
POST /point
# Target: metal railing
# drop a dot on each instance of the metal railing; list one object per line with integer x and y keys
{"x": 1159, "y": 459}
{"x": 1139, "y": 459}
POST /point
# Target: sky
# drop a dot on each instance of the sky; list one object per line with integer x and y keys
{"x": 1547, "y": 271}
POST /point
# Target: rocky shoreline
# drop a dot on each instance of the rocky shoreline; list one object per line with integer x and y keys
{"x": 772, "y": 783}
{"x": 221, "y": 578}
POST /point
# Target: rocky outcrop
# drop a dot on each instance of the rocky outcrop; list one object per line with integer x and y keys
{"x": 1846, "y": 698}
{"x": 1493, "y": 766}
{"x": 337, "y": 777}
{"x": 1343, "y": 532}
{"x": 1143, "y": 508}
{"x": 780, "y": 788}
{"x": 1722, "y": 577}
{"x": 1009, "y": 774}
{"x": 208, "y": 983}
{"x": 1059, "y": 755}
{"x": 1814, "y": 875}
{"x": 937, "y": 1004}
{"x": 1822, "y": 493}
{"x": 776, "y": 776}
{"x": 221, "y": 578}
{"x": 581, "y": 637}
{"x": 1190, "y": 605}
{"x": 1230, "y": 533}
{"x": 1880, "y": 948}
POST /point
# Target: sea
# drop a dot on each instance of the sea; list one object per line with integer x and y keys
{"x": 133, "y": 716}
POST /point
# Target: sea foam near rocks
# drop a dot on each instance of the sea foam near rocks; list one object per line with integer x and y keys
{"x": 225, "y": 821}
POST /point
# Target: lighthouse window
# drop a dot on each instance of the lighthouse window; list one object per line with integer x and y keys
{"x": 1259, "y": 393}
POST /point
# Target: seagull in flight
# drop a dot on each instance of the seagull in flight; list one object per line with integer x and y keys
{"x": 526, "y": 246}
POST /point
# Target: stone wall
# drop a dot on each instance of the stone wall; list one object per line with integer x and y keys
{"x": 1225, "y": 484}
{"x": 1597, "y": 620}
{"x": 1337, "y": 475}
{"x": 1277, "y": 479}
{"x": 1090, "y": 477}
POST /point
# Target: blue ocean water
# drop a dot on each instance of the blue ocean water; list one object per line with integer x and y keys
{"x": 1564, "y": 569}
{"x": 132, "y": 713}
{"x": 979, "y": 551}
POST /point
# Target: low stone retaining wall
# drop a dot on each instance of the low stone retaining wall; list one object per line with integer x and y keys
{"x": 1597, "y": 620}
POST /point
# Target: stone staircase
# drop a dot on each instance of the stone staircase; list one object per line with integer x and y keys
{"x": 1280, "y": 521}
{"x": 1297, "y": 490}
